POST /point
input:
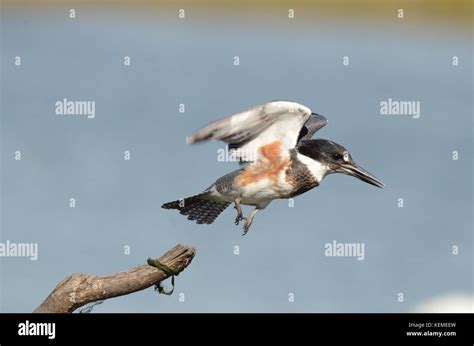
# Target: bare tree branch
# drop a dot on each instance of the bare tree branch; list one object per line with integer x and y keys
{"x": 77, "y": 290}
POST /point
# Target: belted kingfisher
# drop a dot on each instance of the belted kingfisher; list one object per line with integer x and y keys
{"x": 278, "y": 160}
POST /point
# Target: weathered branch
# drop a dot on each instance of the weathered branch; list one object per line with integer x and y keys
{"x": 77, "y": 290}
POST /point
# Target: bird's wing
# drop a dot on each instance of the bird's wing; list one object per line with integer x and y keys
{"x": 269, "y": 129}
{"x": 315, "y": 123}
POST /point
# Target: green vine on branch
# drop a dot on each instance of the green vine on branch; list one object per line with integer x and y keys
{"x": 169, "y": 271}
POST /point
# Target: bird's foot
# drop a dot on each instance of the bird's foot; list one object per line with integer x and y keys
{"x": 247, "y": 225}
{"x": 239, "y": 218}
{"x": 240, "y": 215}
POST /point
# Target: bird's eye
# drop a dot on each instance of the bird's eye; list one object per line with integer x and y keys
{"x": 337, "y": 157}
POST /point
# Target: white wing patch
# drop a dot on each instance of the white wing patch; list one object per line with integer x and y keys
{"x": 248, "y": 131}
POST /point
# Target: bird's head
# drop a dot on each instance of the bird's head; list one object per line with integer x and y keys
{"x": 337, "y": 159}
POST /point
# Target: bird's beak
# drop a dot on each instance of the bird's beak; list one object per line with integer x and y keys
{"x": 356, "y": 171}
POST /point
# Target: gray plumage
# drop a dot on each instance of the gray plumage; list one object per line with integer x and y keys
{"x": 225, "y": 184}
{"x": 315, "y": 123}
{"x": 254, "y": 121}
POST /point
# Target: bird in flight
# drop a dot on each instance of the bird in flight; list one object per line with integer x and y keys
{"x": 278, "y": 160}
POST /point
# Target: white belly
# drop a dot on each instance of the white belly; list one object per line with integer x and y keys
{"x": 265, "y": 190}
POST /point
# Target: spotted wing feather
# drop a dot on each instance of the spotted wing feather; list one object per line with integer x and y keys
{"x": 198, "y": 208}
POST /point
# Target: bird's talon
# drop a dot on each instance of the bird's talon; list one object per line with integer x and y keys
{"x": 239, "y": 218}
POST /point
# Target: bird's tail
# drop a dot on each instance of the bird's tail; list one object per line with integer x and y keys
{"x": 198, "y": 208}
